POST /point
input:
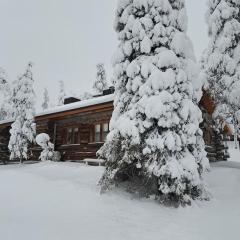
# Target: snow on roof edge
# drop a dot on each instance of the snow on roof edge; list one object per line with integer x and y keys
{"x": 71, "y": 106}
{"x": 80, "y": 104}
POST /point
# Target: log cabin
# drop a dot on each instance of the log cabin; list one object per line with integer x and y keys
{"x": 76, "y": 129}
{"x": 79, "y": 128}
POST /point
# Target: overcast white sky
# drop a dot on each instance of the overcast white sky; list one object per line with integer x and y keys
{"x": 65, "y": 39}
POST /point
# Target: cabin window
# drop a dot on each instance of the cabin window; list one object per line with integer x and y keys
{"x": 72, "y": 136}
{"x": 105, "y": 131}
{"x": 100, "y": 132}
{"x": 75, "y": 136}
{"x": 97, "y": 133}
{"x": 69, "y": 136}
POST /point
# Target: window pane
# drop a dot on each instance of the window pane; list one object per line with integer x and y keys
{"x": 105, "y": 131}
{"x": 75, "y": 136}
{"x": 105, "y": 127}
{"x": 98, "y": 133}
{"x": 69, "y": 136}
{"x": 97, "y": 128}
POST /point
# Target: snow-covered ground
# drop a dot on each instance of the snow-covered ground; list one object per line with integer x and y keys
{"x": 61, "y": 201}
{"x": 234, "y": 153}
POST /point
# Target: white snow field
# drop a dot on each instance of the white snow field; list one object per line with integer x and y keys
{"x": 234, "y": 153}
{"x": 61, "y": 201}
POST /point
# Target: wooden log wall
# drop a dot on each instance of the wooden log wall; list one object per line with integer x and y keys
{"x": 85, "y": 122}
{"x": 56, "y": 125}
{"x": 214, "y": 139}
{"x": 4, "y": 139}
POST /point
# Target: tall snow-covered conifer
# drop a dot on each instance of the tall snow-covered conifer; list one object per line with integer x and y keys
{"x": 155, "y": 143}
{"x": 45, "y": 104}
{"x": 100, "y": 83}
{"x": 23, "y": 129}
{"x": 62, "y": 93}
{"x": 5, "y": 95}
{"x": 222, "y": 58}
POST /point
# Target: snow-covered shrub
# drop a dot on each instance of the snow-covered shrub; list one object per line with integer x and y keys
{"x": 100, "y": 83}
{"x": 154, "y": 138}
{"x": 42, "y": 140}
{"x": 221, "y": 60}
{"x": 56, "y": 156}
{"x": 23, "y": 129}
{"x": 48, "y": 153}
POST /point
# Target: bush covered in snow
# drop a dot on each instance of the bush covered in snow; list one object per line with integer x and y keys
{"x": 155, "y": 140}
{"x": 48, "y": 153}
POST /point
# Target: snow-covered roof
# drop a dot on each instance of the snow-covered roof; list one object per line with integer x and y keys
{"x": 76, "y": 105}
{"x": 72, "y": 106}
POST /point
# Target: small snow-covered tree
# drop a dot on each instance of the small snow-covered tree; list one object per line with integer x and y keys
{"x": 62, "y": 93}
{"x": 3, "y": 77}
{"x": 45, "y": 104}
{"x": 48, "y": 153}
{"x": 222, "y": 59}
{"x": 23, "y": 129}
{"x": 86, "y": 96}
{"x": 155, "y": 143}
{"x": 5, "y": 95}
{"x": 100, "y": 83}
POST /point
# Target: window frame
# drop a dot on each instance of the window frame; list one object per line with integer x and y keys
{"x": 75, "y": 136}
{"x": 101, "y": 133}
{"x": 98, "y": 132}
{"x": 105, "y": 133}
{"x": 71, "y": 138}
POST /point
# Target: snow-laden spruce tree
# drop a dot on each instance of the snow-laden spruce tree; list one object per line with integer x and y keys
{"x": 23, "y": 129}
{"x": 62, "y": 93}
{"x": 5, "y": 95}
{"x": 155, "y": 144}
{"x": 100, "y": 83}
{"x": 45, "y": 104}
{"x": 222, "y": 58}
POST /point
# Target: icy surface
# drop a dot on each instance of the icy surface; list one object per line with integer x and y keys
{"x": 59, "y": 201}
